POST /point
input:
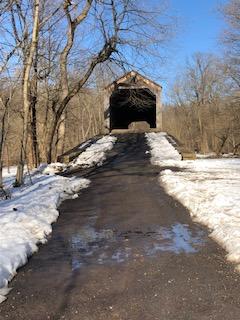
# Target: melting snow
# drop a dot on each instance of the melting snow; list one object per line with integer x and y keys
{"x": 178, "y": 239}
{"x": 161, "y": 150}
{"x": 209, "y": 188}
{"x": 55, "y": 167}
{"x": 26, "y": 218}
{"x": 95, "y": 154}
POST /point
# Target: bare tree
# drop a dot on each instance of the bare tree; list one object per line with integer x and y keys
{"x": 64, "y": 83}
{"x": 117, "y": 24}
{"x": 6, "y": 85}
{"x": 231, "y": 39}
{"x": 4, "y": 109}
{"x": 26, "y": 91}
{"x": 57, "y": 49}
{"x": 202, "y": 97}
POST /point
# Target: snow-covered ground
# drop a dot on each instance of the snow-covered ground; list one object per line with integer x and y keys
{"x": 162, "y": 152}
{"x": 209, "y": 188}
{"x": 94, "y": 155}
{"x": 213, "y": 155}
{"x": 26, "y": 218}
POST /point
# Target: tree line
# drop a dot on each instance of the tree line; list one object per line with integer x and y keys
{"x": 55, "y": 57}
{"x": 204, "y": 112}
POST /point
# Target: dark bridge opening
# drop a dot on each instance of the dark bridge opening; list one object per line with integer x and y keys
{"x": 132, "y": 105}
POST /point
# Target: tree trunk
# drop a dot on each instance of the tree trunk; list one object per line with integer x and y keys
{"x": 61, "y": 135}
{"x": 3, "y": 137}
{"x": 34, "y": 93}
{"x": 26, "y": 94}
{"x": 51, "y": 138}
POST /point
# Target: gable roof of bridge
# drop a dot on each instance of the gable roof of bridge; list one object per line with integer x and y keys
{"x": 132, "y": 78}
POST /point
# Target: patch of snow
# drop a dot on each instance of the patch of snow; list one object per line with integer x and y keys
{"x": 9, "y": 176}
{"x": 206, "y": 155}
{"x": 55, "y": 167}
{"x": 213, "y": 155}
{"x": 9, "y": 172}
{"x": 84, "y": 144}
{"x": 162, "y": 152}
{"x": 210, "y": 189}
{"x": 25, "y": 220}
{"x": 229, "y": 155}
{"x": 92, "y": 156}
{"x": 95, "y": 154}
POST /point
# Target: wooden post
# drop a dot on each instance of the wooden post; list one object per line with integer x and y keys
{"x": 159, "y": 125}
{"x": 107, "y": 95}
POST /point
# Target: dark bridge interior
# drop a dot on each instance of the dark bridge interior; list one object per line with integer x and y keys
{"x": 130, "y": 105}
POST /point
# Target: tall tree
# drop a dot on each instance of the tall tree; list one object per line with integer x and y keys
{"x": 231, "y": 38}
{"x": 26, "y": 91}
{"x": 58, "y": 47}
{"x": 231, "y": 42}
{"x": 200, "y": 92}
{"x": 118, "y": 28}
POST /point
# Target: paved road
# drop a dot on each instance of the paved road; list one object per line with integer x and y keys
{"x": 125, "y": 250}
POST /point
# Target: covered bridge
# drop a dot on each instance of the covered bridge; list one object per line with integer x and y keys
{"x": 131, "y": 99}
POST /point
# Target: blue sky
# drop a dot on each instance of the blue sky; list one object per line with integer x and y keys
{"x": 201, "y": 26}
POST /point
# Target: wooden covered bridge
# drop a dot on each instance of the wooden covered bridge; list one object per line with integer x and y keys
{"x": 130, "y": 100}
{"x": 132, "y": 103}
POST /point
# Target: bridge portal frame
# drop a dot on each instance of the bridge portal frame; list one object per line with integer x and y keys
{"x": 133, "y": 80}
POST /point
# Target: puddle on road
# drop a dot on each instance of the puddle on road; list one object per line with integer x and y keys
{"x": 89, "y": 246}
{"x": 177, "y": 239}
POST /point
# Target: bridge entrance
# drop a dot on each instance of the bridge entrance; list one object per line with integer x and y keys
{"x": 132, "y": 105}
{"x": 130, "y": 99}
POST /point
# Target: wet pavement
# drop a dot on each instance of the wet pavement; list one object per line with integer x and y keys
{"x": 125, "y": 250}
{"x": 108, "y": 246}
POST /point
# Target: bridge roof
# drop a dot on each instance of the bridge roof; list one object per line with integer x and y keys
{"x": 132, "y": 78}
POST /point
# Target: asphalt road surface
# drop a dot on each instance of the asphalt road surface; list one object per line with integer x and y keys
{"x": 125, "y": 250}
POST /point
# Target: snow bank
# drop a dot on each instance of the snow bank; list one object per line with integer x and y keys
{"x": 162, "y": 152}
{"x": 95, "y": 154}
{"x": 206, "y": 156}
{"x": 210, "y": 189}
{"x": 55, "y": 167}
{"x": 25, "y": 220}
